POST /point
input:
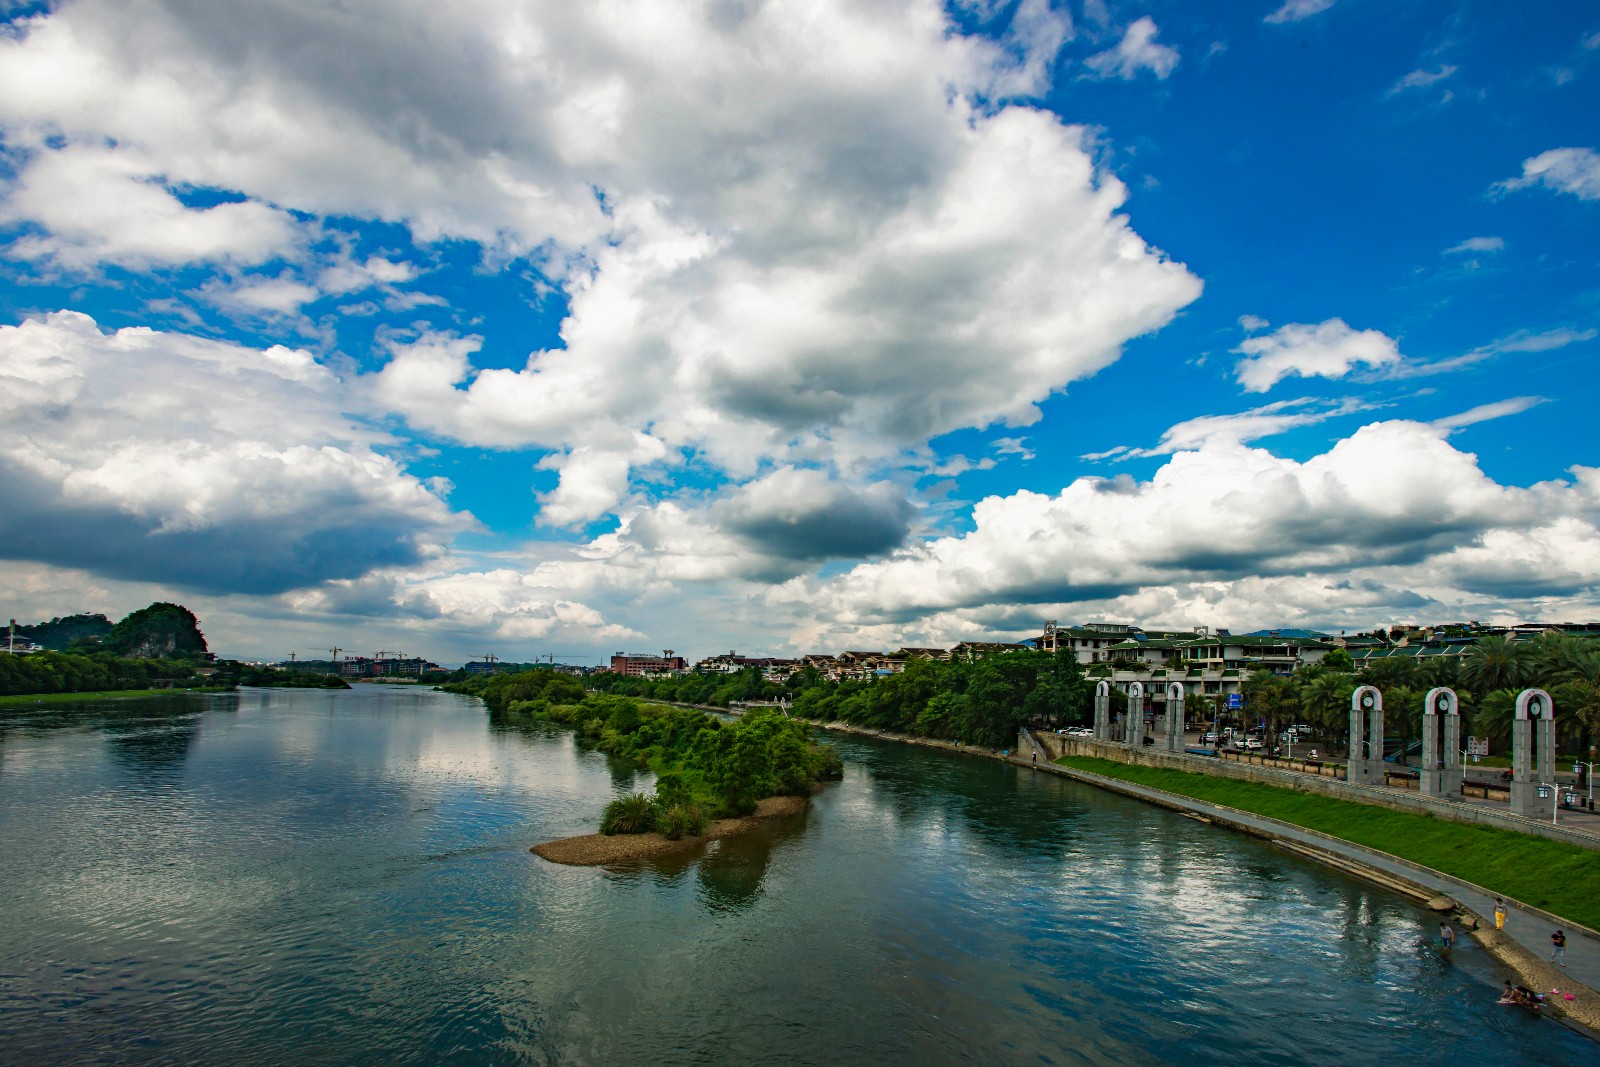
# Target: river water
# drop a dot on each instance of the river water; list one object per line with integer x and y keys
{"x": 276, "y": 877}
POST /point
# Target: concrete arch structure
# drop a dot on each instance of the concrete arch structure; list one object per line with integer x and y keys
{"x": 1441, "y": 744}
{"x": 1173, "y": 738}
{"x": 1533, "y": 754}
{"x": 1366, "y": 736}
{"x": 1102, "y": 711}
{"x": 1133, "y": 727}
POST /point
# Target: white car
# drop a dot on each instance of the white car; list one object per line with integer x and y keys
{"x": 1252, "y": 743}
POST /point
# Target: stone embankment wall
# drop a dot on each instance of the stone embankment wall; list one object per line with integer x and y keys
{"x": 1401, "y": 800}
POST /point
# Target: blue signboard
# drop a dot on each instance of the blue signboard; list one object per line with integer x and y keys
{"x": 1235, "y": 701}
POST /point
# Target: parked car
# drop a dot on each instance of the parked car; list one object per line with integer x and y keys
{"x": 1253, "y": 743}
{"x": 1209, "y": 737}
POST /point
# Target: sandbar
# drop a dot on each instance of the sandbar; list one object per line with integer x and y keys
{"x": 590, "y": 850}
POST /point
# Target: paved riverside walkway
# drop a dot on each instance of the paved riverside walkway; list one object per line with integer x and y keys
{"x": 1528, "y": 927}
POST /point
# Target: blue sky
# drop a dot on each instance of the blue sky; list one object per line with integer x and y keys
{"x": 549, "y": 329}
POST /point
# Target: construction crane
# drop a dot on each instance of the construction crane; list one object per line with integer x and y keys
{"x": 550, "y": 657}
{"x": 490, "y": 658}
{"x": 335, "y": 650}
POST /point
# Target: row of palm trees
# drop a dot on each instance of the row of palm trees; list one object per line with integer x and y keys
{"x": 1486, "y": 679}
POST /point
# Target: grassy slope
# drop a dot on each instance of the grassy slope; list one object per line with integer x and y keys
{"x": 1557, "y": 877}
{"x": 102, "y": 694}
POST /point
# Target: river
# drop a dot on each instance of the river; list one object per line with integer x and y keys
{"x": 309, "y": 877}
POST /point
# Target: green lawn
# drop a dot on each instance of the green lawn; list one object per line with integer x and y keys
{"x": 1557, "y": 877}
{"x": 112, "y": 694}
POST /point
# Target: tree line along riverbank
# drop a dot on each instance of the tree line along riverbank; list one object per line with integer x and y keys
{"x": 705, "y": 768}
{"x": 982, "y": 701}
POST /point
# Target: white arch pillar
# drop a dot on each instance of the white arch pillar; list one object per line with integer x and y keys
{"x": 1533, "y": 754}
{"x": 1441, "y": 744}
{"x": 1134, "y": 726}
{"x": 1102, "y": 711}
{"x": 1366, "y": 737}
{"x": 1175, "y": 719}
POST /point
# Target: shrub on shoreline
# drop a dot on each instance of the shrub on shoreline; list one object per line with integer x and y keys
{"x": 632, "y": 814}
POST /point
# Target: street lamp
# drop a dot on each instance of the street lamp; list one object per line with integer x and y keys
{"x": 1555, "y": 798}
{"x": 1589, "y": 778}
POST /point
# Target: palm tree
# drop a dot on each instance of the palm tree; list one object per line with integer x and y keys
{"x": 1326, "y": 701}
{"x": 1579, "y": 696}
{"x": 1493, "y": 717}
{"x": 1557, "y": 657}
{"x": 1496, "y": 663}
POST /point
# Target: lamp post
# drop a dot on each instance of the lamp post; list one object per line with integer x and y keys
{"x": 1555, "y": 798}
{"x": 1589, "y": 777}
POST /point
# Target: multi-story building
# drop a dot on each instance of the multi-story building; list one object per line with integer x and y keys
{"x": 1091, "y": 641}
{"x": 1279, "y": 654}
{"x": 642, "y": 663}
{"x": 772, "y": 668}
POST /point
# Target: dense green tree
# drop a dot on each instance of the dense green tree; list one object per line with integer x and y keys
{"x": 1326, "y": 704}
{"x": 1272, "y": 698}
{"x": 160, "y": 631}
{"x": 1339, "y": 660}
{"x": 1496, "y": 663}
{"x": 61, "y": 633}
{"x": 1493, "y": 716}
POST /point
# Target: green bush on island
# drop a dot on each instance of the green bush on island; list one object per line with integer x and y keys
{"x": 632, "y": 814}
{"x": 705, "y": 768}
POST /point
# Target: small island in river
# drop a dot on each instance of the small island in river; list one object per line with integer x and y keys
{"x": 590, "y": 850}
{"x": 714, "y": 777}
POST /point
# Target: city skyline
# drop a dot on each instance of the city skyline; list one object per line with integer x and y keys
{"x": 797, "y": 327}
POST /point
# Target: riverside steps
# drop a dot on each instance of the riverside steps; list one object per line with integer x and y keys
{"x": 1523, "y": 944}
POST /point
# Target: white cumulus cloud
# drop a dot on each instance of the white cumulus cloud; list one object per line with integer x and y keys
{"x": 1567, "y": 170}
{"x": 1328, "y": 349}
{"x": 207, "y": 465}
{"x": 1296, "y": 10}
{"x": 1389, "y": 511}
{"x": 1137, "y": 51}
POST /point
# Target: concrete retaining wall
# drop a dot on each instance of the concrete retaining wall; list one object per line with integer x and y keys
{"x": 1398, "y": 799}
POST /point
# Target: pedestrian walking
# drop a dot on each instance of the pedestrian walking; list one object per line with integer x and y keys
{"x": 1558, "y": 950}
{"x": 1499, "y": 914}
{"x": 1035, "y": 759}
{"x": 1447, "y": 937}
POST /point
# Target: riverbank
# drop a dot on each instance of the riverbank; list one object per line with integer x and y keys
{"x": 106, "y": 694}
{"x": 1549, "y": 875}
{"x": 1469, "y": 903}
{"x": 593, "y": 850}
{"x": 1465, "y": 902}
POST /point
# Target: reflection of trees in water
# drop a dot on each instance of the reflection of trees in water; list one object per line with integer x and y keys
{"x": 1010, "y": 808}
{"x": 148, "y": 733}
{"x": 730, "y": 872}
{"x": 626, "y": 777}
{"x": 155, "y": 746}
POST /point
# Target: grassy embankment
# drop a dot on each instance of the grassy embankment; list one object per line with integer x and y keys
{"x": 1558, "y": 877}
{"x": 105, "y": 694}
